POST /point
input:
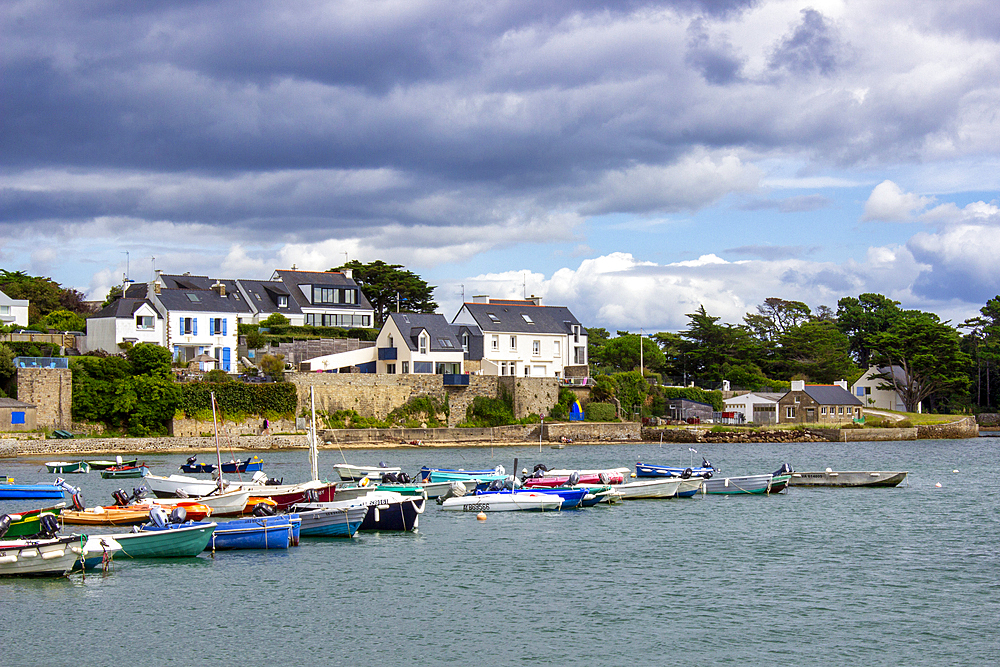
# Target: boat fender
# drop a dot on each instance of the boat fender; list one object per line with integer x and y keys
{"x": 121, "y": 498}
{"x": 364, "y": 481}
{"x": 687, "y": 473}
{"x": 48, "y": 525}
{"x": 4, "y": 524}
{"x": 78, "y": 501}
{"x": 178, "y": 515}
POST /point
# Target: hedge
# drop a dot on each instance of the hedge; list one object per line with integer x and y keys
{"x": 600, "y": 412}
{"x": 240, "y": 398}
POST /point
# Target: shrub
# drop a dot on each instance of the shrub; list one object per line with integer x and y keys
{"x": 423, "y": 409}
{"x": 903, "y": 423}
{"x": 559, "y": 411}
{"x": 276, "y": 399}
{"x": 600, "y": 412}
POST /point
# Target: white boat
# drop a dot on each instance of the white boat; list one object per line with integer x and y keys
{"x": 387, "y": 510}
{"x": 652, "y": 488}
{"x": 39, "y": 558}
{"x": 353, "y": 473}
{"x": 690, "y": 487}
{"x": 566, "y": 472}
{"x": 847, "y": 478}
{"x": 504, "y": 502}
{"x": 232, "y": 501}
{"x": 98, "y": 550}
{"x": 179, "y": 486}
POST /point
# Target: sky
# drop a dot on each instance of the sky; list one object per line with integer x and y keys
{"x": 631, "y": 160}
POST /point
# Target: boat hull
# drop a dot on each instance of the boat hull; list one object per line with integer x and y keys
{"x": 272, "y": 532}
{"x": 30, "y": 491}
{"x": 67, "y": 468}
{"x": 647, "y": 470}
{"x": 848, "y": 478}
{"x": 654, "y": 488}
{"x": 330, "y": 521}
{"x": 29, "y": 523}
{"x": 122, "y": 472}
{"x": 385, "y": 510}
{"x": 182, "y": 542}
{"x": 689, "y": 487}
{"x": 103, "y": 465}
{"x": 179, "y": 485}
{"x": 746, "y": 484}
{"x": 40, "y": 558}
{"x": 353, "y": 473}
{"x": 504, "y": 502}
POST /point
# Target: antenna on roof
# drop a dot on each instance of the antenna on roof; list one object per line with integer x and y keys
{"x": 524, "y": 285}
{"x": 463, "y": 292}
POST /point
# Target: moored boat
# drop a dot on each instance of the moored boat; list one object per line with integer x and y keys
{"x": 270, "y": 532}
{"x": 179, "y": 542}
{"x": 173, "y": 486}
{"x": 28, "y": 522}
{"x": 354, "y": 473}
{"x": 31, "y": 491}
{"x": 252, "y": 464}
{"x": 67, "y": 467}
{"x": 125, "y": 472}
{"x": 330, "y": 521}
{"x": 649, "y": 488}
{"x": 385, "y": 510}
{"x": 103, "y": 465}
{"x": 648, "y": 470}
{"x": 39, "y": 558}
{"x": 848, "y": 478}
{"x": 743, "y": 484}
{"x": 459, "y": 475}
{"x": 507, "y": 501}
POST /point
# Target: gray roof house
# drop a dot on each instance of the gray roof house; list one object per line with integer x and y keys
{"x": 419, "y": 343}
{"x": 523, "y": 337}
{"x": 818, "y": 403}
{"x": 327, "y": 298}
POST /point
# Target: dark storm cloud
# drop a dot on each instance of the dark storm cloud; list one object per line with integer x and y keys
{"x": 717, "y": 60}
{"x": 812, "y": 46}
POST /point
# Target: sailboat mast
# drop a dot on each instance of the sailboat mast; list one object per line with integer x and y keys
{"x": 218, "y": 453}
{"x": 313, "y": 453}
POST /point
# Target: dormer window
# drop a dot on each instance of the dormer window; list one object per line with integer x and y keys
{"x": 282, "y": 301}
{"x": 465, "y": 342}
{"x": 423, "y": 344}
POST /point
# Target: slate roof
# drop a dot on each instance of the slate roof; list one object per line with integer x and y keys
{"x": 831, "y": 394}
{"x": 204, "y": 300}
{"x": 440, "y": 331}
{"x": 124, "y": 308}
{"x": 509, "y": 316}
{"x": 263, "y": 295}
{"x": 292, "y": 280}
{"x": 14, "y": 403}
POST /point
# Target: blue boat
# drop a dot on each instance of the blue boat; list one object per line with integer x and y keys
{"x": 330, "y": 521}
{"x": 647, "y": 470}
{"x": 572, "y": 497}
{"x": 252, "y": 464}
{"x": 458, "y": 475}
{"x": 265, "y": 532}
{"x": 31, "y": 491}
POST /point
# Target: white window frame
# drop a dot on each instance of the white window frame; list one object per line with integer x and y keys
{"x": 513, "y": 342}
{"x": 536, "y": 348}
{"x": 423, "y": 343}
{"x": 496, "y": 343}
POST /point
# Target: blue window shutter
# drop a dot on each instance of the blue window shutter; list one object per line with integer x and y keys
{"x": 180, "y": 326}
{"x": 224, "y": 330}
{"x": 17, "y": 417}
{"x": 225, "y": 357}
{"x": 194, "y": 326}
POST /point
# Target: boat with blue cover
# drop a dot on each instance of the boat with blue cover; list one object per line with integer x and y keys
{"x": 330, "y": 521}
{"x": 648, "y": 470}
{"x": 50, "y": 491}
{"x": 459, "y": 475}
{"x": 264, "y": 532}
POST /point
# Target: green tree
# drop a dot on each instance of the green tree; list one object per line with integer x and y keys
{"x": 275, "y": 320}
{"x": 385, "y": 285}
{"x": 864, "y": 318}
{"x": 64, "y": 320}
{"x": 621, "y": 354}
{"x": 273, "y": 365}
{"x": 44, "y": 294}
{"x": 597, "y": 338}
{"x": 712, "y": 351}
{"x": 8, "y": 373}
{"x": 816, "y": 350}
{"x": 929, "y": 353}
{"x": 150, "y": 359}
{"x": 114, "y": 294}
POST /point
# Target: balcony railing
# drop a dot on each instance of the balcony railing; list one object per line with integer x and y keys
{"x": 387, "y": 354}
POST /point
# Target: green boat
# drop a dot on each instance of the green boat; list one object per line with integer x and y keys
{"x": 27, "y": 521}
{"x": 179, "y": 542}
{"x": 66, "y": 467}
{"x": 118, "y": 472}
{"x": 104, "y": 465}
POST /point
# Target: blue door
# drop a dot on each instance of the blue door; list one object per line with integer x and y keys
{"x": 225, "y": 358}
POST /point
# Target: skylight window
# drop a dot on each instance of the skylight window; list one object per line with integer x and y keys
{"x": 193, "y": 297}
{"x": 444, "y": 342}
{"x": 493, "y": 317}
{"x": 527, "y": 318}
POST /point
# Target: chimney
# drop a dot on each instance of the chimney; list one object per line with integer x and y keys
{"x": 155, "y": 285}
{"x": 842, "y": 384}
{"x": 219, "y": 288}
{"x": 535, "y": 300}
{"x": 798, "y": 385}
{"x": 481, "y": 298}
{"x": 349, "y": 274}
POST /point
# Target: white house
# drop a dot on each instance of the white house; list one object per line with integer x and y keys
{"x": 13, "y": 311}
{"x": 868, "y": 390}
{"x": 326, "y": 298}
{"x": 124, "y": 321}
{"x": 756, "y": 407}
{"x": 524, "y": 338}
{"x": 418, "y": 343}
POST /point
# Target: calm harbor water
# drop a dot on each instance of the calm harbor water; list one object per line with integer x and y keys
{"x": 909, "y": 575}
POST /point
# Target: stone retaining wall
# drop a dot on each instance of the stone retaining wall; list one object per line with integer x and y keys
{"x": 593, "y": 431}
{"x": 88, "y": 446}
{"x": 988, "y": 419}
{"x": 200, "y": 428}
{"x": 963, "y": 428}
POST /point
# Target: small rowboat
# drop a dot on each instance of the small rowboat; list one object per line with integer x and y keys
{"x": 178, "y": 542}
{"x": 847, "y": 478}
{"x": 504, "y": 502}
{"x": 28, "y": 522}
{"x": 53, "y": 557}
{"x": 330, "y": 521}
{"x": 459, "y": 475}
{"x": 267, "y": 532}
{"x": 252, "y": 464}
{"x": 30, "y": 491}
{"x": 353, "y": 473}
{"x": 648, "y": 470}
{"x": 649, "y": 488}
{"x": 103, "y": 465}
{"x": 67, "y": 467}
{"x": 123, "y": 471}
{"x": 746, "y": 484}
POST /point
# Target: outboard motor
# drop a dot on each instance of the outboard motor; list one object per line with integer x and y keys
{"x": 603, "y": 477}
{"x": 274, "y": 482}
{"x": 138, "y": 492}
{"x": 263, "y": 509}
{"x": 509, "y": 481}
{"x": 456, "y": 490}
{"x": 705, "y": 463}
{"x": 389, "y": 478}
{"x": 192, "y": 459}
{"x": 259, "y": 477}
{"x": 574, "y": 478}
{"x": 785, "y": 469}
{"x": 179, "y": 515}
{"x": 495, "y": 485}
{"x": 381, "y": 464}
{"x": 500, "y": 470}
{"x": 403, "y": 478}
{"x": 48, "y": 525}
{"x": 540, "y": 466}
{"x": 707, "y": 474}
{"x": 78, "y": 501}
{"x": 687, "y": 473}
{"x": 4, "y": 525}
{"x": 158, "y": 516}
{"x": 312, "y": 496}
{"x": 121, "y": 498}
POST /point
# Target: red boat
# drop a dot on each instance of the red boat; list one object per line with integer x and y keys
{"x": 586, "y": 478}
{"x": 286, "y": 495}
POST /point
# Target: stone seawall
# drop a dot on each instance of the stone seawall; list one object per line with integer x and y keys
{"x": 963, "y": 428}
{"x": 988, "y": 419}
{"x": 89, "y": 446}
{"x": 704, "y": 435}
{"x": 593, "y": 431}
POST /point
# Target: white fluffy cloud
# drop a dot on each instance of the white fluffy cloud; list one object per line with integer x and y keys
{"x": 888, "y": 203}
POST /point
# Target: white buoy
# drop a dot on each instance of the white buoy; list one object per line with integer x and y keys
{"x": 954, "y": 471}
{"x": 829, "y": 469}
{"x": 482, "y": 515}
{"x": 938, "y": 485}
